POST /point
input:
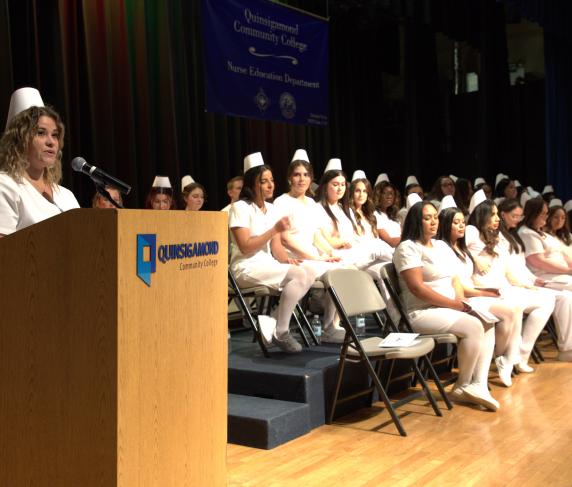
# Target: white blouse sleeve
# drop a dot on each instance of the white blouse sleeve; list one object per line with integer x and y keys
{"x": 532, "y": 242}
{"x": 407, "y": 256}
{"x": 240, "y": 215}
{"x": 9, "y": 207}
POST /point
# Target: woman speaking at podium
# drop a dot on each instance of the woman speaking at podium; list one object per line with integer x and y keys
{"x": 30, "y": 164}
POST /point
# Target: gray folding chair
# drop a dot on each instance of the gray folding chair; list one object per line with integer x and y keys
{"x": 354, "y": 292}
{"x": 391, "y": 282}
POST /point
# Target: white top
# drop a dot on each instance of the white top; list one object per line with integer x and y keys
{"x": 517, "y": 268}
{"x": 227, "y": 208}
{"x": 392, "y": 227}
{"x": 551, "y": 247}
{"x": 304, "y": 217}
{"x": 364, "y": 226}
{"x": 496, "y": 276}
{"x": 21, "y": 205}
{"x": 436, "y": 264}
{"x": 345, "y": 227}
{"x": 260, "y": 266}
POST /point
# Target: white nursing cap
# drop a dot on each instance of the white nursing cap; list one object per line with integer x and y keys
{"x": 381, "y": 178}
{"x": 162, "y": 182}
{"x": 185, "y": 181}
{"x": 453, "y": 177}
{"x": 517, "y": 183}
{"x": 253, "y": 160}
{"x": 548, "y": 189}
{"x": 479, "y": 180}
{"x": 300, "y": 155}
{"x": 524, "y": 197}
{"x": 555, "y": 202}
{"x": 499, "y": 178}
{"x": 532, "y": 192}
{"x": 22, "y": 99}
{"x": 333, "y": 164}
{"x": 477, "y": 198}
{"x": 568, "y": 205}
{"x": 447, "y": 202}
{"x": 411, "y": 180}
{"x": 359, "y": 174}
{"x": 412, "y": 199}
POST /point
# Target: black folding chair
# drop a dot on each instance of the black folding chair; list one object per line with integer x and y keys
{"x": 354, "y": 292}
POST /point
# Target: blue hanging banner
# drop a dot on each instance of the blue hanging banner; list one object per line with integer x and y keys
{"x": 266, "y": 61}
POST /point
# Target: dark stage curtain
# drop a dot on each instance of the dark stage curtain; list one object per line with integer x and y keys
{"x": 126, "y": 75}
{"x": 127, "y": 78}
{"x": 556, "y": 19}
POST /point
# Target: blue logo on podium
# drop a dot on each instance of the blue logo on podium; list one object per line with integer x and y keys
{"x": 146, "y": 256}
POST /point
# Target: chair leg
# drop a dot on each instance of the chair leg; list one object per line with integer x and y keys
{"x": 306, "y": 324}
{"x": 339, "y": 375}
{"x": 426, "y": 388}
{"x": 435, "y": 377}
{"x": 301, "y": 329}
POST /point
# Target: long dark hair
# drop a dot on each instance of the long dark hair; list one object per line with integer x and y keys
{"x": 563, "y": 233}
{"x": 515, "y": 242}
{"x": 532, "y": 209}
{"x": 367, "y": 208}
{"x": 446, "y": 218}
{"x": 480, "y": 218}
{"x": 413, "y": 224}
{"x": 322, "y": 196}
{"x": 463, "y": 193}
{"x": 251, "y": 178}
{"x": 501, "y": 186}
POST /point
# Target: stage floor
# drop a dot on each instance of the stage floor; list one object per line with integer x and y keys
{"x": 528, "y": 442}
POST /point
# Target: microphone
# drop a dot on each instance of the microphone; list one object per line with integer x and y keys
{"x": 98, "y": 176}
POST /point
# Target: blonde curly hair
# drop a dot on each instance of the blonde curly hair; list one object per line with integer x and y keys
{"x": 17, "y": 138}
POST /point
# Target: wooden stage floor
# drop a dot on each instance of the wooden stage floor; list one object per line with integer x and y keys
{"x": 528, "y": 442}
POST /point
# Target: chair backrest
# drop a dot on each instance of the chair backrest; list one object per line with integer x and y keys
{"x": 356, "y": 291}
{"x": 389, "y": 272}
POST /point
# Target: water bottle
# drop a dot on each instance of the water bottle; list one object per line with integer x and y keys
{"x": 317, "y": 327}
{"x": 360, "y": 325}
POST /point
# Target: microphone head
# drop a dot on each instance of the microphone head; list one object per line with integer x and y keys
{"x": 77, "y": 163}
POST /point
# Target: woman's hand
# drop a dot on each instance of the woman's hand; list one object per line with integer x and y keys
{"x": 539, "y": 282}
{"x": 282, "y": 225}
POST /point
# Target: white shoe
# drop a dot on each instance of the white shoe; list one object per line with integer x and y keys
{"x": 267, "y": 327}
{"x": 524, "y": 368}
{"x": 504, "y": 369}
{"x": 474, "y": 394}
{"x": 333, "y": 334}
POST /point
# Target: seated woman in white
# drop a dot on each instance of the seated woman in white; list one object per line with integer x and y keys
{"x": 433, "y": 297}
{"x": 337, "y": 228}
{"x": 548, "y": 260}
{"x": 257, "y": 255}
{"x": 493, "y": 270}
{"x": 30, "y": 170}
{"x": 452, "y": 232}
{"x": 386, "y": 209}
{"x": 298, "y": 240}
{"x": 365, "y": 225}
{"x": 557, "y": 224}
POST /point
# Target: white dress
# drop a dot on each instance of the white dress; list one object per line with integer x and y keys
{"x": 438, "y": 272}
{"x": 21, "y": 205}
{"x": 392, "y": 227}
{"x": 259, "y": 267}
{"x": 304, "y": 216}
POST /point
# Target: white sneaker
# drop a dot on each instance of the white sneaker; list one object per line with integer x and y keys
{"x": 524, "y": 368}
{"x": 504, "y": 369}
{"x": 474, "y": 394}
{"x": 267, "y": 327}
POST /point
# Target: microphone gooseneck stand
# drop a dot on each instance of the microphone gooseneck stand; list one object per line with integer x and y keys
{"x": 103, "y": 192}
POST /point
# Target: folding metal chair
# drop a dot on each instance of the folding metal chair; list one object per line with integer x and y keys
{"x": 264, "y": 296}
{"x": 354, "y": 292}
{"x": 391, "y": 282}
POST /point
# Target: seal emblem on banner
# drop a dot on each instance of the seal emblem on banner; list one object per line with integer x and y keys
{"x": 262, "y": 101}
{"x": 287, "y": 105}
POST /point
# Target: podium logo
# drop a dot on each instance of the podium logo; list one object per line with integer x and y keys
{"x": 146, "y": 256}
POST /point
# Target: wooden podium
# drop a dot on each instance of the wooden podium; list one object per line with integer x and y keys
{"x": 105, "y": 380}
